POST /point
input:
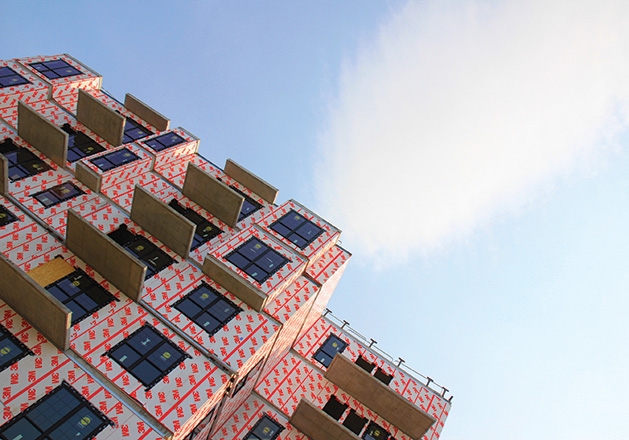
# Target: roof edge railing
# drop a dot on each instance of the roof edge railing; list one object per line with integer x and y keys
{"x": 399, "y": 362}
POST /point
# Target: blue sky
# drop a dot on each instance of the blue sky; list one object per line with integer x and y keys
{"x": 472, "y": 152}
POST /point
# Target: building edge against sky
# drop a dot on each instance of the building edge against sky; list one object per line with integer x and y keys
{"x": 147, "y": 293}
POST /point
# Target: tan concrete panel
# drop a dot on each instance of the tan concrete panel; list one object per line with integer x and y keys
{"x": 4, "y": 175}
{"x": 318, "y": 425}
{"x": 88, "y": 176}
{"x": 162, "y": 222}
{"x": 212, "y": 194}
{"x": 105, "y": 255}
{"x": 251, "y": 181}
{"x": 99, "y": 118}
{"x": 42, "y": 134}
{"x": 378, "y": 397}
{"x": 153, "y": 117}
{"x": 42, "y": 310}
{"x": 233, "y": 282}
{"x": 50, "y": 272}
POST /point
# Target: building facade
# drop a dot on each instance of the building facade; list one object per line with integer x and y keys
{"x": 148, "y": 293}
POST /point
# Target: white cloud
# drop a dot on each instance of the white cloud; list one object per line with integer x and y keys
{"x": 460, "y": 111}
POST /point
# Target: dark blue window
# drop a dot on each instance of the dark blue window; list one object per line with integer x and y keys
{"x": 6, "y": 216}
{"x": 205, "y": 230}
{"x": 134, "y": 131}
{"x": 207, "y": 308}
{"x": 80, "y": 145}
{"x": 22, "y": 162}
{"x": 58, "y": 194}
{"x": 55, "y": 69}
{"x": 329, "y": 349}
{"x": 9, "y": 78}
{"x": 265, "y": 429}
{"x": 164, "y": 141}
{"x": 257, "y": 259}
{"x": 297, "y": 229}
{"x": 81, "y": 294}
{"x": 63, "y": 413}
{"x": 143, "y": 249}
{"x": 115, "y": 159}
{"x": 147, "y": 355}
{"x": 11, "y": 349}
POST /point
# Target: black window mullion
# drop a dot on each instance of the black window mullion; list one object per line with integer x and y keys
{"x": 59, "y": 422}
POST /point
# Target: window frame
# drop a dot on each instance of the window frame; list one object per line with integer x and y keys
{"x": 130, "y": 125}
{"x": 80, "y": 403}
{"x": 231, "y": 258}
{"x": 353, "y": 420}
{"x": 373, "y": 425}
{"x": 248, "y": 199}
{"x": 323, "y": 347}
{"x": 5, "y": 334}
{"x": 5, "y": 213}
{"x": 206, "y": 309}
{"x": 92, "y": 285}
{"x": 294, "y": 231}
{"x": 134, "y": 158}
{"x": 334, "y": 405}
{"x": 157, "y": 139}
{"x": 162, "y": 341}
{"x": 365, "y": 364}
{"x": 14, "y": 74}
{"x": 133, "y": 239}
{"x": 383, "y": 377}
{"x": 54, "y": 69}
{"x": 251, "y": 435}
{"x": 18, "y": 157}
{"x": 198, "y": 239}
{"x": 51, "y": 192}
{"x": 84, "y": 142}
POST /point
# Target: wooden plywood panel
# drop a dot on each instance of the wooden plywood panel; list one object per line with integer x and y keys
{"x": 317, "y": 425}
{"x": 105, "y": 255}
{"x": 153, "y": 117}
{"x": 163, "y": 222}
{"x": 42, "y": 310}
{"x": 50, "y": 272}
{"x": 42, "y": 134}
{"x": 88, "y": 176}
{"x": 213, "y": 195}
{"x": 233, "y": 282}
{"x": 100, "y": 119}
{"x": 251, "y": 181}
{"x": 378, "y": 397}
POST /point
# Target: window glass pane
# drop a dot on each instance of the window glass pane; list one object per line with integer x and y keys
{"x": 6, "y": 216}
{"x": 147, "y": 355}
{"x": 329, "y": 349}
{"x": 257, "y": 259}
{"x": 81, "y": 294}
{"x": 296, "y": 228}
{"x": 207, "y": 308}
{"x": 265, "y": 429}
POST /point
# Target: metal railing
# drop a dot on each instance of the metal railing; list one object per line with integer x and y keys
{"x": 399, "y": 362}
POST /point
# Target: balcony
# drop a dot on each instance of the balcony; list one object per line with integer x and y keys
{"x": 378, "y": 397}
{"x": 317, "y": 425}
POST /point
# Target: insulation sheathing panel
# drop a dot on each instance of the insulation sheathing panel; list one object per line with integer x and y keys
{"x": 234, "y": 344}
{"x": 35, "y": 90}
{"x": 179, "y": 394}
{"x": 33, "y": 376}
